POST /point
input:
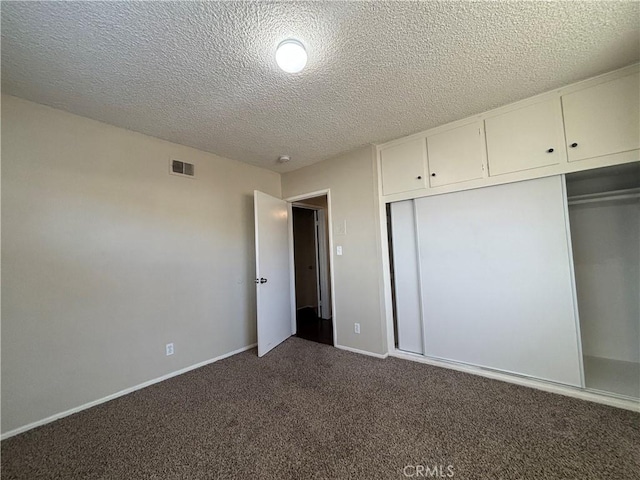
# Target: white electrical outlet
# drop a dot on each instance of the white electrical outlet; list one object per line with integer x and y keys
{"x": 356, "y": 327}
{"x": 169, "y": 349}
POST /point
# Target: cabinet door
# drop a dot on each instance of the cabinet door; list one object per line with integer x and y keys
{"x": 403, "y": 167}
{"x": 456, "y": 155}
{"x": 603, "y": 119}
{"x": 529, "y": 137}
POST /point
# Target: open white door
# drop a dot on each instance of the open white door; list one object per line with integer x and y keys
{"x": 273, "y": 292}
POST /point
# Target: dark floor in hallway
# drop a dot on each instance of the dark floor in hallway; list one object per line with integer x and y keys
{"x": 311, "y": 327}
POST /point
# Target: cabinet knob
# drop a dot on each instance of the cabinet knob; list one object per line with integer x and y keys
{"x": 433, "y": 174}
{"x": 419, "y": 177}
{"x": 550, "y": 150}
{"x": 574, "y": 145}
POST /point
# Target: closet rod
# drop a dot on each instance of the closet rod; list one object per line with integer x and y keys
{"x": 604, "y": 196}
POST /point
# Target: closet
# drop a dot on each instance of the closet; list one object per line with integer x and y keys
{"x": 539, "y": 278}
{"x": 484, "y": 277}
{"x": 514, "y": 237}
{"x": 604, "y": 214}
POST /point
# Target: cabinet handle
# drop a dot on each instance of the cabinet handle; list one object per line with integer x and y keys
{"x": 419, "y": 177}
{"x": 550, "y": 150}
{"x": 433, "y": 174}
{"x": 573, "y": 145}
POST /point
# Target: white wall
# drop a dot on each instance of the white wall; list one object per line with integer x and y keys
{"x": 606, "y": 250}
{"x": 351, "y": 179}
{"x": 106, "y": 258}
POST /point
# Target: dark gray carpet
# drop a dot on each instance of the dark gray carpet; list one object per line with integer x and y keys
{"x": 310, "y": 411}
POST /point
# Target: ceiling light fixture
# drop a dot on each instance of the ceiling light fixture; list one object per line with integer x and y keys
{"x": 291, "y": 56}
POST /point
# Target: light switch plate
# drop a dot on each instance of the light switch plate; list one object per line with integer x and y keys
{"x": 339, "y": 250}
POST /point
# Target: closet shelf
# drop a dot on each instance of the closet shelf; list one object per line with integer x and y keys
{"x": 605, "y": 196}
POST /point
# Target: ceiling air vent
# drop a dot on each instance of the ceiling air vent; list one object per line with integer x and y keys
{"x": 182, "y": 168}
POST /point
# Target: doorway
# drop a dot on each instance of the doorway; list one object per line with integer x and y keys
{"x": 313, "y": 305}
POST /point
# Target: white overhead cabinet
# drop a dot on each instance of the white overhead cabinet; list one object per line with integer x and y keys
{"x": 403, "y": 167}
{"x": 603, "y": 119}
{"x": 525, "y": 138}
{"x": 456, "y": 155}
{"x": 597, "y": 121}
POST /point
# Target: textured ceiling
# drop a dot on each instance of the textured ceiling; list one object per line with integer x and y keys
{"x": 204, "y": 74}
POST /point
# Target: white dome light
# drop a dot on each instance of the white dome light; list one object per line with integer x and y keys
{"x": 291, "y": 56}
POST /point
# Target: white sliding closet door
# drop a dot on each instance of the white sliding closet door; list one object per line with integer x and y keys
{"x": 406, "y": 277}
{"x": 496, "y": 279}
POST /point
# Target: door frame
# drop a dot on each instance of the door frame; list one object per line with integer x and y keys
{"x": 322, "y": 246}
{"x": 292, "y": 273}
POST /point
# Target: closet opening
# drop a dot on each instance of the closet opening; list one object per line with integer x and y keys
{"x": 312, "y": 270}
{"x": 604, "y": 217}
{"x": 391, "y": 276}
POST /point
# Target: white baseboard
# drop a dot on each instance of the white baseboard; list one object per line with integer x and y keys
{"x": 362, "y": 352}
{"x": 126, "y": 391}
{"x": 566, "y": 390}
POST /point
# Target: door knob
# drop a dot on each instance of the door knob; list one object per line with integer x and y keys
{"x": 573, "y": 145}
{"x": 550, "y": 150}
{"x": 263, "y": 280}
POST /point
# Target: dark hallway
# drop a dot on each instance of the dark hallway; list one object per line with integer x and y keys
{"x": 312, "y": 270}
{"x": 311, "y": 327}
